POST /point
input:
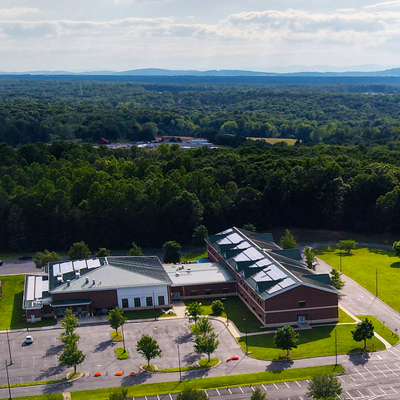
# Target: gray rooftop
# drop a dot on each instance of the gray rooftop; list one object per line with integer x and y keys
{"x": 198, "y": 273}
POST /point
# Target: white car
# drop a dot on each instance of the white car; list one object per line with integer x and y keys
{"x": 28, "y": 339}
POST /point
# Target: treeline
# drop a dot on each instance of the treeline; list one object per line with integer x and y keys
{"x": 41, "y": 111}
{"x": 54, "y": 195}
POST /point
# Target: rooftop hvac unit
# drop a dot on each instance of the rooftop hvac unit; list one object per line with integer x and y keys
{"x": 59, "y": 278}
{"x": 68, "y": 282}
{"x": 87, "y": 280}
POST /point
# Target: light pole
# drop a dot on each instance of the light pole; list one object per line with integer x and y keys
{"x": 376, "y": 270}
{"x": 154, "y": 308}
{"x": 8, "y": 382}
{"x": 340, "y": 260}
{"x": 9, "y": 348}
{"x": 335, "y": 349}
{"x": 227, "y": 310}
{"x": 123, "y": 336}
{"x": 244, "y": 319}
{"x": 179, "y": 363}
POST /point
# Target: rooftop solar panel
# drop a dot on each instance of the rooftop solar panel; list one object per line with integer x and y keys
{"x": 241, "y": 257}
{"x": 253, "y": 254}
{"x": 38, "y": 287}
{"x": 66, "y": 267}
{"x": 243, "y": 245}
{"x": 30, "y": 291}
{"x": 275, "y": 273}
{"x": 274, "y": 289}
{"x": 56, "y": 269}
{"x": 224, "y": 241}
{"x": 93, "y": 263}
{"x": 262, "y": 277}
{"x": 286, "y": 283}
{"x": 235, "y": 238}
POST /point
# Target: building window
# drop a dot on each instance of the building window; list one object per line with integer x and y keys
{"x": 302, "y": 304}
{"x": 161, "y": 301}
{"x": 207, "y": 291}
{"x": 247, "y": 300}
{"x": 254, "y": 309}
{"x": 137, "y": 302}
{"x": 225, "y": 290}
{"x": 149, "y": 301}
{"x": 259, "y": 314}
{"x": 193, "y": 292}
{"x": 125, "y": 303}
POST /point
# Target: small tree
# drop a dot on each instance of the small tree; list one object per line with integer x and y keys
{"x": 119, "y": 394}
{"x": 396, "y": 248}
{"x": 337, "y": 282}
{"x": 116, "y": 318}
{"x": 172, "y": 252}
{"x": 69, "y": 323}
{"x": 148, "y": 348}
{"x": 363, "y": 331}
{"x": 68, "y": 339}
{"x": 206, "y": 343}
{"x": 193, "y": 311}
{"x": 258, "y": 395}
{"x": 204, "y": 325}
{"x": 309, "y": 255}
{"x": 286, "y": 338}
{"x": 41, "y": 259}
{"x": 79, "y": 251}
{"x": 217, "y": 307}
{"x": 288, "y": 241}
{"x": 103, "y": 252}
{"x": 189, "y": 393}
{"x": 250, "y": 227}
{"x": 71, "y": 356}
{"x": 200, "y": 233}
{"x": 135, "y": 250}
{"x": 324, "y": 386}
{"x": 347, "y": 245}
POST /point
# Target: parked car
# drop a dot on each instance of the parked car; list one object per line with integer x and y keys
{"x": 25, "y": 258}
{"x": 28, "y": 339}
{"x": 1, "y": 263}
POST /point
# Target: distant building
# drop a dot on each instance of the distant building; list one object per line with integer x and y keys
{"x": 103, "y": 141}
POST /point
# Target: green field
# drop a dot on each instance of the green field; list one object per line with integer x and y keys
{"x": 314, "y": 342}
{"x": 363, "y": 265}
{"x": 12, "y": 314}
{"x": 290, "y": 142}
{"x": 194, "y": 255}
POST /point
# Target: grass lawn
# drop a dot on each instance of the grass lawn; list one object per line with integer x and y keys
{"x": 194, "y": 255}
{"x": 345, "y": 318}
{"x": 313, "y": 343}
{"x": 237, "y": 312}
{"x": 382, "y": 329}
{"x": 121, "y": 354}
{"x": 116, "y": 337}
{"x": 147, "y": 314}
{"x": 205, "y": 383}
{"x": 290, "y": 142}
{"x": 12, "y": 315}
{"x": 363, "y": 265}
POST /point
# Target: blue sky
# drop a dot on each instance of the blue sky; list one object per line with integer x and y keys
{"x": 197, "y": 34}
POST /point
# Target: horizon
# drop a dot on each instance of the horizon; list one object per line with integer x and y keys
{"x": 251, "y": 35}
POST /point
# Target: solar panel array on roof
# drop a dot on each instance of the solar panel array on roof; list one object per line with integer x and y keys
{"x": 56, "y": 269}
{"x": 243, "y": 245}
{"x": 66, "y": 267}
{"x": 93, "y": 263}
{"x": 80, "y": 264}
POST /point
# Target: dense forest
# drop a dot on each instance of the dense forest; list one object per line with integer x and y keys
{"x": 43, "y": 110}
{"x": 54, "y": 195}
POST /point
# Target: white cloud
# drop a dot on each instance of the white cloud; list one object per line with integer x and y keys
{"x": 394, "y": 3}
{"x": 16, "y": 11}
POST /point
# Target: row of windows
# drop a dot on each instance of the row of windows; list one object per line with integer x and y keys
{"x": 208, "y": 291}
{"x": 137, "y": 302}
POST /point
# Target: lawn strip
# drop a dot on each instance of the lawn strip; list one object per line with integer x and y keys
{"x": 382, "y": 329}
{"x": 314, "y": 342}
{"x": 208, "y": 383}
{"x": 344, "y": 317}
{"x": 204, "y": 363}
{"x": 194, "y": 255}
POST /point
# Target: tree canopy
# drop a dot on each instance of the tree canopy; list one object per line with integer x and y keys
{"x": 324, "y": 386}
{"x": 286, "y": 338}
{"x": 288, "y": 241}
{"x": 363, "y": 331}
{"x": 42, "y": 259}
{"x": 79, "y": 251}
{"x": 172, "y": 252}
{"x": 116, "y": 318}
{"x": 148, "y": 348}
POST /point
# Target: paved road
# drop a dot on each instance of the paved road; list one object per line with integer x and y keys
{"x": 14, "y": 267}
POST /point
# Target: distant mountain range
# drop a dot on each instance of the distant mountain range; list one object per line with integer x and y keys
{"x": 394, "y": 72}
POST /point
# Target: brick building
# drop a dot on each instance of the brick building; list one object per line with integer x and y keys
{"x": 274, "y": 283}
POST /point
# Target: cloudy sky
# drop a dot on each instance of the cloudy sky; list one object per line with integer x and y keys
{"x": 197, "y": 34}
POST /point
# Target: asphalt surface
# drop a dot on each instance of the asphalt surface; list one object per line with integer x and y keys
{"x": 16, "y": 267}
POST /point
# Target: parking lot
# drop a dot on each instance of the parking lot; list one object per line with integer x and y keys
{"x": 38, "y": 361}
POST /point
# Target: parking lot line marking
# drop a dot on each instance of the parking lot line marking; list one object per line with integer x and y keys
{"x": 359, "y": 373}
{"x": 276, "y": 387}
{"x": 382, "y": 391}
{"x": 341, "y": 379}
{"x": 241, "y": 389}
{"x": 390, "y": 370}
{"x": 379, "y": 357}
{"x": 229, "y": 390}
{"x": 370, "y": 372}
{"x": 301, "y": 398}
{"x": 145, "y": 397}
{"x": 352, "y": 378}
{"x": 219, "y": 394}
{"x": 348, "y": 394}
{"x": 253, "y": 389}
{"x": 360, "y": 393}
{"x": 206, "y": 393}
{"x": 264, "y": 387}
{"x": 394, "y": 390}
{"x": 298, "y": 383}
{"x": 286, "y": 385}
{"x": 170, "y": 396}
{"x": 158, "y": 397}
{"x": 381, "y": 371}
{"x": 373, "y": 394}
